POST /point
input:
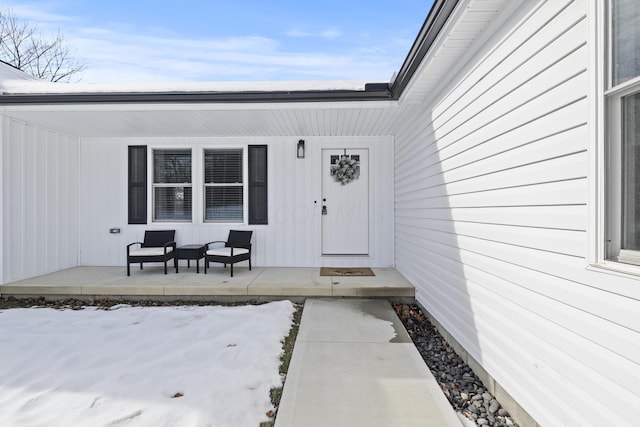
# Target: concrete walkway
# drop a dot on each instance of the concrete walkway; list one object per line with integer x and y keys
{"x": 354, "y": 365}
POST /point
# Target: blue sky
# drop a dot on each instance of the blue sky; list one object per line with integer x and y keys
{"x": 232, "y": 40}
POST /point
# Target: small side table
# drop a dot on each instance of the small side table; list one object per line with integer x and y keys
{"x": 190, "y": 252}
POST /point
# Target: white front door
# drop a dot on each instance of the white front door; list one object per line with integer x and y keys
{"x": 345, "y": 202}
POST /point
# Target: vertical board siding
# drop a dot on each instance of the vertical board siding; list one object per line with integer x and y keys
{"x": 291, "y": 239}
{"x": 40, "y": 195}
{"x": 491, "y": 222}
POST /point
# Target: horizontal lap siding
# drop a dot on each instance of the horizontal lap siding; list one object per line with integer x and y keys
{"x": 491, "y": 225}
{"x": 40, "y": 198}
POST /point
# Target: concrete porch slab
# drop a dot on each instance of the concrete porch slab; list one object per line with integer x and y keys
{"x": 282, "y": 281}
{"x": 260, "y": 282}
{"x": 386, "y": 283}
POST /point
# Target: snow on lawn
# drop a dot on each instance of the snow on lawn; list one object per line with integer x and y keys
{"x": 141, "y": 366}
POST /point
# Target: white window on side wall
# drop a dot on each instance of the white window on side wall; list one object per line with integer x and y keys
{"x": 223, "y": 185}
{"x": 623, "y": 132}
{"x": 172, "y": 188}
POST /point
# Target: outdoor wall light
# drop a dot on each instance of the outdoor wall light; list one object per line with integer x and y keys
{"x": 300, "y": 149}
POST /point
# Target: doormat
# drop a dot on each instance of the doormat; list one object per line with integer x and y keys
{"x": 336, "y": 271}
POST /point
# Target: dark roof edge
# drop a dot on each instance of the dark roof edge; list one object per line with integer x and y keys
{"x": 438, "y": 16}
{"x": 377, "y": 91}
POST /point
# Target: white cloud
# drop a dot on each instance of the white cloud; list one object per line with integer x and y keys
{"x": 329, "y": 33}
{"x": 120, "y": 57}
{"x": 36, "y": 13}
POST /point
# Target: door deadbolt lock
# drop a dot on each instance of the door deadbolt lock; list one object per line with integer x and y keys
{"x": 324, "y": 210}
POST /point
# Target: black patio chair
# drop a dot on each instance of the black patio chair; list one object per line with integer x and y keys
{"x": 237, "y": 248}
{"x": 158, "y": 246}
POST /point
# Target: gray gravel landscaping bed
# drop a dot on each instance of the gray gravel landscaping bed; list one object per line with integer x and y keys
{"x": 463, "y": 389}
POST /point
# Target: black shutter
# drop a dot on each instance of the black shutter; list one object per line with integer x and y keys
{"x": 258, "y": 208}
{"x": 137, "y": 184}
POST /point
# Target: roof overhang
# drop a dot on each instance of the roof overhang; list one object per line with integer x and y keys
{"x": 376, "y": 91}
{"x": 453, "y": 32}
{"x": 436, "y": 18}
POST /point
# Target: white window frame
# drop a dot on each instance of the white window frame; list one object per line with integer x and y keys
{"x": 243, "y": 184}
{"x": 155, "y": 185}
{"x": 615, "y": 141}
{"x": 605, "y": 221}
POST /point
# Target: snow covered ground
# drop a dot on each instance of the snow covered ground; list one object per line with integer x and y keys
{"x": 141, "y": 366}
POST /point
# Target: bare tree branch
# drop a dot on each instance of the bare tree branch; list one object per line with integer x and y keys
{"x": 46, "y": 58}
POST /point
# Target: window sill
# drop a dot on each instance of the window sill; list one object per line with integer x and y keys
{"x": 618, "y": 268}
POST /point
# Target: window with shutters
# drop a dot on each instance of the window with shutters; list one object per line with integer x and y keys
{"x": 172, "y": 188}
{"x": 228, "y": 196}
{"x": 223, "y": 185}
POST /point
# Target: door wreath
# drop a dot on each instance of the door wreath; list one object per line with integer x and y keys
{"x": 346, "y": 169}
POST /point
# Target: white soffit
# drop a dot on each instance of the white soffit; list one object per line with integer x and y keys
{"x": 223, "y": 120}
{"x": 120, "y": 120}
{"x": 463, "y": 36}
{"x": 124, "y": 120}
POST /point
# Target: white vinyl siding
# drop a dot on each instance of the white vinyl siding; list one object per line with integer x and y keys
{"x": 492, "y": 221}
{"x": 40, "y": 199}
